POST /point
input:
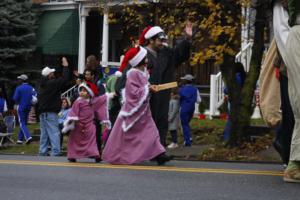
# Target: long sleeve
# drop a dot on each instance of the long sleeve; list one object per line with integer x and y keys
{"x": 135, "y": 98}
{"x": 174, "y": 109}
{"x": 16, "y": 96}
{"x": 73, "y": 115}
{"x": 182, "y": 52}
{"x": 59, "y": 82}
{"x": 281, "y": 27}
{"x": 100, "y": 106}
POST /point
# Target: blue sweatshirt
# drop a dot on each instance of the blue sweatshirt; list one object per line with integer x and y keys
{"x": 3, "y": 105}
{"x": 62, "y": 115}
{"x": 23, "y": 95}
{"x": 188, "y": 98}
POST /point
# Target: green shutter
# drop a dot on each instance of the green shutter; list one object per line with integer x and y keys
{"x": 58, "y": 32}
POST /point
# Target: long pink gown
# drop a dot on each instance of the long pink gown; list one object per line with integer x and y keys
{"x": 134, "y": 137}
{"x": 82, "y": 139}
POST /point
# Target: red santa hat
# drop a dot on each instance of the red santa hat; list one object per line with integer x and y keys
{"x": 150, "y": 32}
{"x": 123, "y": 65}
{"x": 142, "y": 36}
{"x": 133, "y": 56}
{"x": 87, "y": 87}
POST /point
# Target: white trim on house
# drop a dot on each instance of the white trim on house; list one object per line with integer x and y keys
{"x": 84, "y": 6}
{"x": 59, "y": 5}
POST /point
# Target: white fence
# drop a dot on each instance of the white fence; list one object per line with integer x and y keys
{"x": 216, "y": 93}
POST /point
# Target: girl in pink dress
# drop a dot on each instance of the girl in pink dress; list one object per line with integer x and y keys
{"x": 82, "y": 138}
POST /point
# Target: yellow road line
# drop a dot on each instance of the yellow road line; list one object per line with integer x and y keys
{"x": 145, "y": 168}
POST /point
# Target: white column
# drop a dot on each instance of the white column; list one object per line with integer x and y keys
{"x": 245, "y": 27}
{"x": 212, "y": 101}
{"x": 105, "y": 39}
{"x": 82, "y": 41}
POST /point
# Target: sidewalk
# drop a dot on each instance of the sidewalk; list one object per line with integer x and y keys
{"x": 187, "y": 153}
{"x": 193, "y": 154}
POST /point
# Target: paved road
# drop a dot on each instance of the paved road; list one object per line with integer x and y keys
{"x": 48, "y": 178}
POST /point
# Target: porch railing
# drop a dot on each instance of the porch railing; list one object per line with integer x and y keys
{"x": 70, "y": 91}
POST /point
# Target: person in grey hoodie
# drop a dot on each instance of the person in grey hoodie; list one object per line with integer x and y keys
{"x": 173, "y": 118}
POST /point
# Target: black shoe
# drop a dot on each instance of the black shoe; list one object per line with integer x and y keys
{"x": 98, "y": 160}
{"x": 278, "y": 148}
{"x": 71, "y": 159}
{"x": 163, "y": 158}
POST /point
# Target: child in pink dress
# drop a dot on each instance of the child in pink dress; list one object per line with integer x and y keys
{"x": 82, "y": 138}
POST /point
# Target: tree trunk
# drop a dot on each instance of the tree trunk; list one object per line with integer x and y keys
{"x": 242, "y": 99}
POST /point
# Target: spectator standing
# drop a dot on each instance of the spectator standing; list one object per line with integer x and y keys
{"x": 62, "y": 115}
{"x": 173, "y": 118}
{"x": 49, "y": 105}
{"x": 3, "y": 104}
{"x": 23, "y": 97}
{"x": 189, "y": 95}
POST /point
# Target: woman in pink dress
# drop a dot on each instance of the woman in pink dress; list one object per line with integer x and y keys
{"x": 134, "y": 137}
{"x": 82, "y": 138}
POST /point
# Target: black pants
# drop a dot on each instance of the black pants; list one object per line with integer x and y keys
{"x": 61, "y": 126}
{"x": 159, "y": 104}
{"x": 114, "y": 110}
{"x": 285, "y": 131}
{"x": 174, "y": 136}
{"x": 98, "y": 135}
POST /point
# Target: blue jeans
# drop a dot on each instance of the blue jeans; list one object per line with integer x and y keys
{"x": 23, "y": 119}
{"x": 185, "y": 118}
{"x": 226, "y": 133}
{"x": 50, "y": 132}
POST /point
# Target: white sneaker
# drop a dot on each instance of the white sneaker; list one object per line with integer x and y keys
{"x": 173, "y": 145}
{"x": 19, "y": 142}
{"x": 28, "y": 140}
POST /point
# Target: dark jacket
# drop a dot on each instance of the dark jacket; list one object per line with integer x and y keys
{"x": 162, "y": 70}
{"x": 49, "y": 94}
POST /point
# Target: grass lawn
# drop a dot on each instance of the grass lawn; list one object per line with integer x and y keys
{"x": 32, "y": 148}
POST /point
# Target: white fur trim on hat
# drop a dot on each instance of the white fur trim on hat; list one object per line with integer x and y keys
{"x": 153, "y": 31}
{"x": 138, "y": 57}
{"x": 118, "y": 74}
{"x": 87, "y": 88}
